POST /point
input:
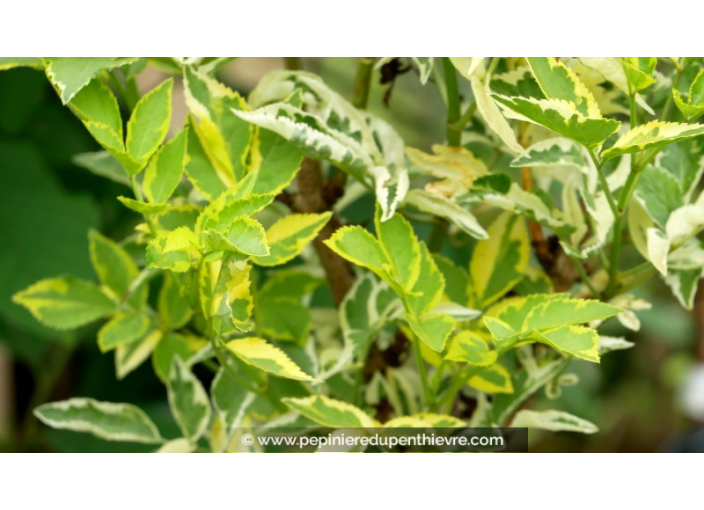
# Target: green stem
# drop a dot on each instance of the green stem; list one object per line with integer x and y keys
{"x": 583, "y": 275}
{"x": 466, "y": 117}
{"x": 459, "y": 383}
{"x": 454, "y": 136}
{"x": 135, "y": 188}
{"x": 634, "y": 112}
{"x": 604, "y": 183}
{"x": 636, "y": 280}
{"x": 429, "y": 397}
{"x": 362, "y": 82}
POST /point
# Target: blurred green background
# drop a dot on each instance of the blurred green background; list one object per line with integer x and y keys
{"x": 47, "y": 205}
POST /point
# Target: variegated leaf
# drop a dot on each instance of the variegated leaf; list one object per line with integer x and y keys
{"x": 109, "y": 421}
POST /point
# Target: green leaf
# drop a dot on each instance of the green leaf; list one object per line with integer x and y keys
{"x": 560, "y": 311}
{"x": 171, "y": 346}
{"x": 473, "y": 348}
{"x": 70, "y": 74}
{"x": 693, "y": 105}
{"x": 229, "y": 207}
{"x": 65, "y": 303}
{"x": 180, "y": 445}
{"x": 554, "y": 152}
{"x": 425, "y": 420}
{"x": 289, "y": 235}
{"x": 130, "y": 356}
{"x": 526, "y": 383}
{"x": 275, "y": 163}
{"x": 577, "y": 341}
{"x": 199, "y": 169}
{"x": 561, "y": 117}
{"x": 660, "y": 193}
{"x": 173, "y": 306}
{"x": 556, "y": 421}
{"x": 149, "y": 123}
{"x": 684, "y": 284}
{"x": 7, "y": 63}
{"x": 639, "y": 71}
{"x": 492, "y": 115}
{"x": 244, "y": 235}
{"x": 357, "y": 245}
{"x": 97, "y": 104}
{"x": 499, "y": 263}
{"x": 103, "y": 164}
{"x": 650, "y": 136}
{"x": 248, "y": 236}
{"x": 683, "y": 161}
{"x": 428, "y": 289}
{"x": 230, "y": 400}
{"x": 327, "y": 127}
{"x": 224, "y": 137}
{"x": 175, "y": 251}
{"x": 165, "y": 169}
{"x": 366, "y": 309}
{"x": 279, "y": 312}
{"x": 402, "y": 249}
{"x": 329, "y": 412}
{"x": 115, "y": 269}
{"x": 266, "y": 357}
{"x": 188, "y": 401}
{"x": 123, "y": 328}
{"x": 557, "y": 81}
{"x": 492, "y": 379}
{"x": 109, "y": 421}
{"x": 144, "y": 208}
{"x": 432, "y": 330}
{"x": 519, "y": 82}
{"x": 456, "y": 280}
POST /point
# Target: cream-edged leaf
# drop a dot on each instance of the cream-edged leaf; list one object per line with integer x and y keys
{"x": 288, "y": 236}
{"x": 65, "y": 303}
{"x": 330, "y": 413}
{"x": 555, "y": 421}
{"x": 266, "y": 357}
{"x": 653, "y": 135}
{"x": 107, "y": 420}
{"x": 188, "y": 400}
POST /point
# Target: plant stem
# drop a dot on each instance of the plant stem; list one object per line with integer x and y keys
{"x": 135, "y": 188}
{"x": 633, "y": 111}
{"x": 362, "y": 82}
{"x": 429, "y": 397}
{"x": 454, "y": 136}
{"x": 466, "y": 117}
{"x": 583, "y": 275}
{"x": 457, "y": 386}
{"x": 603, "y": 182}
{"x": 642, "y": 277}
